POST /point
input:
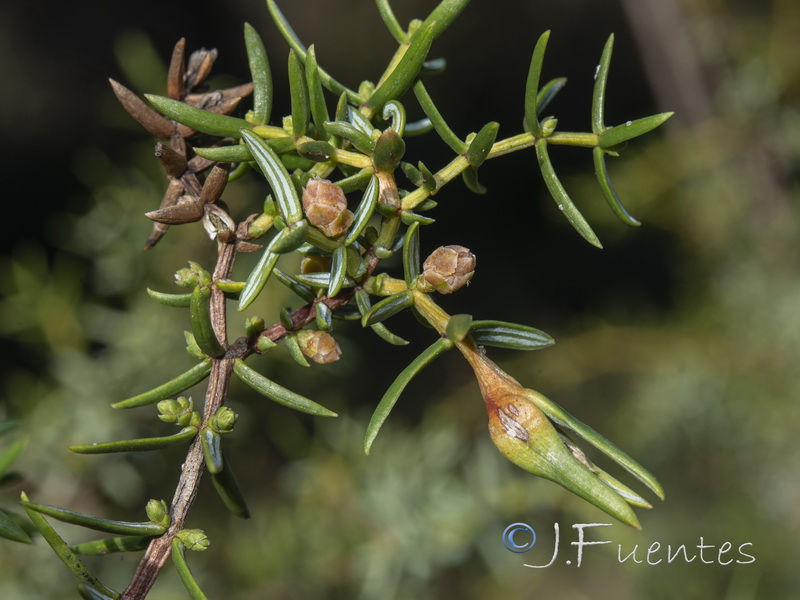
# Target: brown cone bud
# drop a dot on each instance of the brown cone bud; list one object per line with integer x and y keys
{"x": 319, "y": 346}
{"x": 449, "y": 268}
{"x": 325, "y": 206}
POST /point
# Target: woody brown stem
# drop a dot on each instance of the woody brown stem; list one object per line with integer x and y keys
{"x": 221, "y": 369}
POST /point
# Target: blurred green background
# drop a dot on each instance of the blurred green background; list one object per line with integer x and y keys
{"x": 680, "y": 340}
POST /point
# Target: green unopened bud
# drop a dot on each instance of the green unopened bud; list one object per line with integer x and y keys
{"x": 186, "y": 277}
{"x": 319, "y": 346}
{"x": 178, "y": 411}
{"x": 264, "y": 344}
{"x": 254, "y": 325}
{"x": 224, "y": 420}
{"x": 549, "y": 126}
{"x": 526, "y": 437}
{"x": 192, "y": 275}
{"x": 325, "y": 206}
{"x": 158, "y": 512}
{"x": 194, "y": 539}
{"x": 260, "y": 226}
{"x": 449, "y": 268}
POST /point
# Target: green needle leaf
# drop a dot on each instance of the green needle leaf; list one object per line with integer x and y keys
{"x": 172, "y": 388}
{"x": 566, "y": 420}
{"x": 360, "y": 140}
{"x": 502, "y": 334}
{"x": 388, "y": 307}
{"x": 482, "y": 144}
{"x": 393, "y": 393}
{"x": 620, "y": 488}
{"x": 411, "y": 254}
{"x": 532, "y": 86}
{"x": 139, "y": 445}
{"x": 299, "y": 94}
{"x": 197, "y": 118}
{"x": 323, "y": 316}
{"x": 443, "y": 15}
{"x": 63, "y": 551}
{"x": 407, "y": 68}
{"x": 420, "y": 127}
{"x": 200, "y": 318}
{"x": 212, "y": 450}
{"x": 359, "y": 121}
{"x": 291, "y": 38}
{"x": 174, "y": 300}
{"x": 305, "y": 292}
{"x": 356, "y": 181}
{"x": 259, "y": 275}
{"x": 319, "y": 110}
{"x": 338, "y": 271}
{"x": 127, "y": 543}
{"x": 321, "y": 280}
{"x": 11, "y": 530}
{"x": 470, "y": 178}
{"x": 439, "y": 124}
{"x": 290, "y": 238}
{"x": 391, "y": 22}
{"x": 599, "y": 94}
{"x": 87, "y": 592}
{"x": 364, "y": 305}
{"x": 96, "y": 523}
{"x": 261, "y": 75}
{"x": 560, "y": 196}
{"x": 458, "y": 327}
{"x": 279, "y": 394}
{"x": 277, "y": 176}
{"x": 230, "y": 493}
{"x": 234, "y": 154}
{"x": 609, "y": 193}
{"x": 548, "y": 92}
{"x": 293, "y": 346}
{"x": 10, "y": 454}
{"x": 631, "y": 129}
{"x": 184, "y": 572}
{"x": 364, "y": 211}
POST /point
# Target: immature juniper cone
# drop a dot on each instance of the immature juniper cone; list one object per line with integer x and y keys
{"x": 325, "y": 206}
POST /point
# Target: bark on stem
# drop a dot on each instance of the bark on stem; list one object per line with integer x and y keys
{"x": 160, "y": 548}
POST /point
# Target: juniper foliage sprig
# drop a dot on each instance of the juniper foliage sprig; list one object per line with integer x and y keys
{"x": 330, "y": 168}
